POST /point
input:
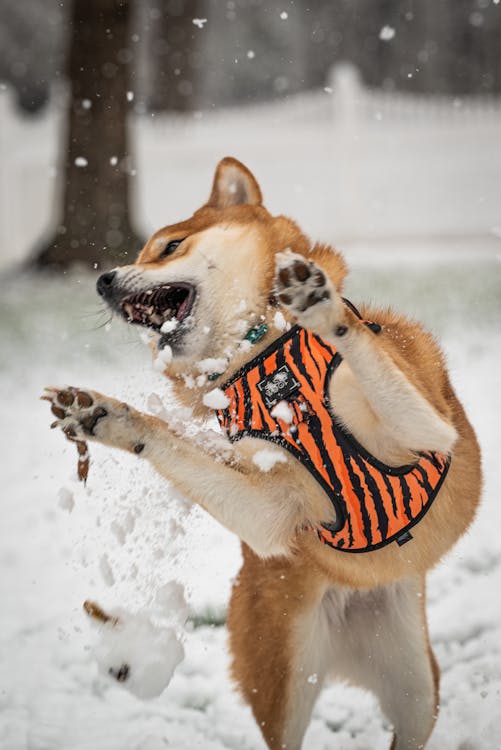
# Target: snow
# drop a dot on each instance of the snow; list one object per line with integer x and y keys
{"x": 163, "y": 358}
{"x": 279, "y": 321}
{"x": 283, "y": 411}
{"x": 216, "y": 399}
{"x": 267, "y": 458}
{"x": 169, "y": 325}
{"x": 213, "y": 364}
{"x": 199, "y": 22}
{"x": 170, "y": 598}
{"x": 140, "y": 655}
{"x": 81, "y": 161}
{"x": 66, "y": 499}
{"x": 387, "y": 33}
{"x": 106, "y": 570}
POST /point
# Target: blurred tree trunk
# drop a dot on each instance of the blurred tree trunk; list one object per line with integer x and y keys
{"x": 174, "y": 59}
{"x": 95, "y": 226}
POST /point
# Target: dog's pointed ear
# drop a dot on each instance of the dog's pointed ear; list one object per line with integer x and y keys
{"x": 234, "y": 185}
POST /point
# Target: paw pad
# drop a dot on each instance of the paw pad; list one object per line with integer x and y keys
{"x": 299, "y": 283}
{"x": 65, "y": 405}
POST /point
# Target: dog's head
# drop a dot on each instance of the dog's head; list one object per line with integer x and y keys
{"x": 198, "y": 286}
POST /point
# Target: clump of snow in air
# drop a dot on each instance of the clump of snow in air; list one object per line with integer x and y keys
{"x": 213, "y": 364}
{"x": 114, "y": 161}
{"x": 86, "y": 103}
{"x": 66, "y": 501}
{"x": 130, "y": 96}
{"x": 163, "y": 358}
{"x": 279, "y": 321}
{"x": 81, "y": 161}
{"x": 170, "y": 599}
{"x": 169, "y": 325}
{"x": 199, "y": 22}
{"x": 251, "y": 54}
{"x": 283, "y": 411}
{"x": 313, "y": 679}
{"x": 216, "y": 399}
{"x": 387, "y": 33}
{"x": 139, "y": 654}
{"x": 268, "y": 458}
{"x": 284, "y": 15}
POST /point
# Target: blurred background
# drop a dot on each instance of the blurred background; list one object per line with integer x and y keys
{"x": 114, "y": 114}
{"x": 376, "y": 124}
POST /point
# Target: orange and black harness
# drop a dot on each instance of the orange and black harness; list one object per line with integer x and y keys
{"x": 375, "y": 504}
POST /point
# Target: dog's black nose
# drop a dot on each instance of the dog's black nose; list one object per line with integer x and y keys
{"x": 104, "y": 283}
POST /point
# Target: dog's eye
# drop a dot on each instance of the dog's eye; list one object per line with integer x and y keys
{"x": 170, "y": 247}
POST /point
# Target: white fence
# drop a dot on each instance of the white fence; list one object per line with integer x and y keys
{"x": 346, "y": 162}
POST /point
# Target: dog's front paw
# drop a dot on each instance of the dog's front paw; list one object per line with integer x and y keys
{"x": 305, "y": 290}
{"x": 299, "y": 283}
{"x": 82, "y": 415}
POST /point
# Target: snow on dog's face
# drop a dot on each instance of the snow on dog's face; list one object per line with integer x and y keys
{"x": 198, "y": 286}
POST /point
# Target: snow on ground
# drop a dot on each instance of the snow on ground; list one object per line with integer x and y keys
{"x": 55, "y": 534}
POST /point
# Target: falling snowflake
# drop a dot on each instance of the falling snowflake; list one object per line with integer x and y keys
{"x": 284, "y": 15}
{"x": 199, "y": 22}
{"x": 81, "y": 161}
{"x": 387, "y": 33}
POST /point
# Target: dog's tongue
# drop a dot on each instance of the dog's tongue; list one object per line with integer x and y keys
{"x": 182, "y": 308}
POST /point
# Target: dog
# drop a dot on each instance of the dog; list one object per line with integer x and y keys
{"x": 348, "y": 469}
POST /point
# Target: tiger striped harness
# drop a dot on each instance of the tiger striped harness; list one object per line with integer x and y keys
{"x": 375, "y": 504}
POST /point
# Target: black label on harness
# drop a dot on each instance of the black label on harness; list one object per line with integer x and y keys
{"x": 277, "y": 386}
{"x": 404, "y": 537}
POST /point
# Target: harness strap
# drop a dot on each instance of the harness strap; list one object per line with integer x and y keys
{"x": 375, "y": 327}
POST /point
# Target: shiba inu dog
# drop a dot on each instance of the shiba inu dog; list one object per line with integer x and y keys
{"x": 348, "y": 468}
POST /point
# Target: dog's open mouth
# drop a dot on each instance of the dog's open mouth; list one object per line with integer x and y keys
{"x": 154, "y": 307}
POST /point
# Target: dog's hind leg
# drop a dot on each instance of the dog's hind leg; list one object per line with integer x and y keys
{"x": 384, "y": 647}
{"x": 278, "y": 639}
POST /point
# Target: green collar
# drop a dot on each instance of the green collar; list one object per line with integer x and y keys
{"x": 254, "y": 334}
